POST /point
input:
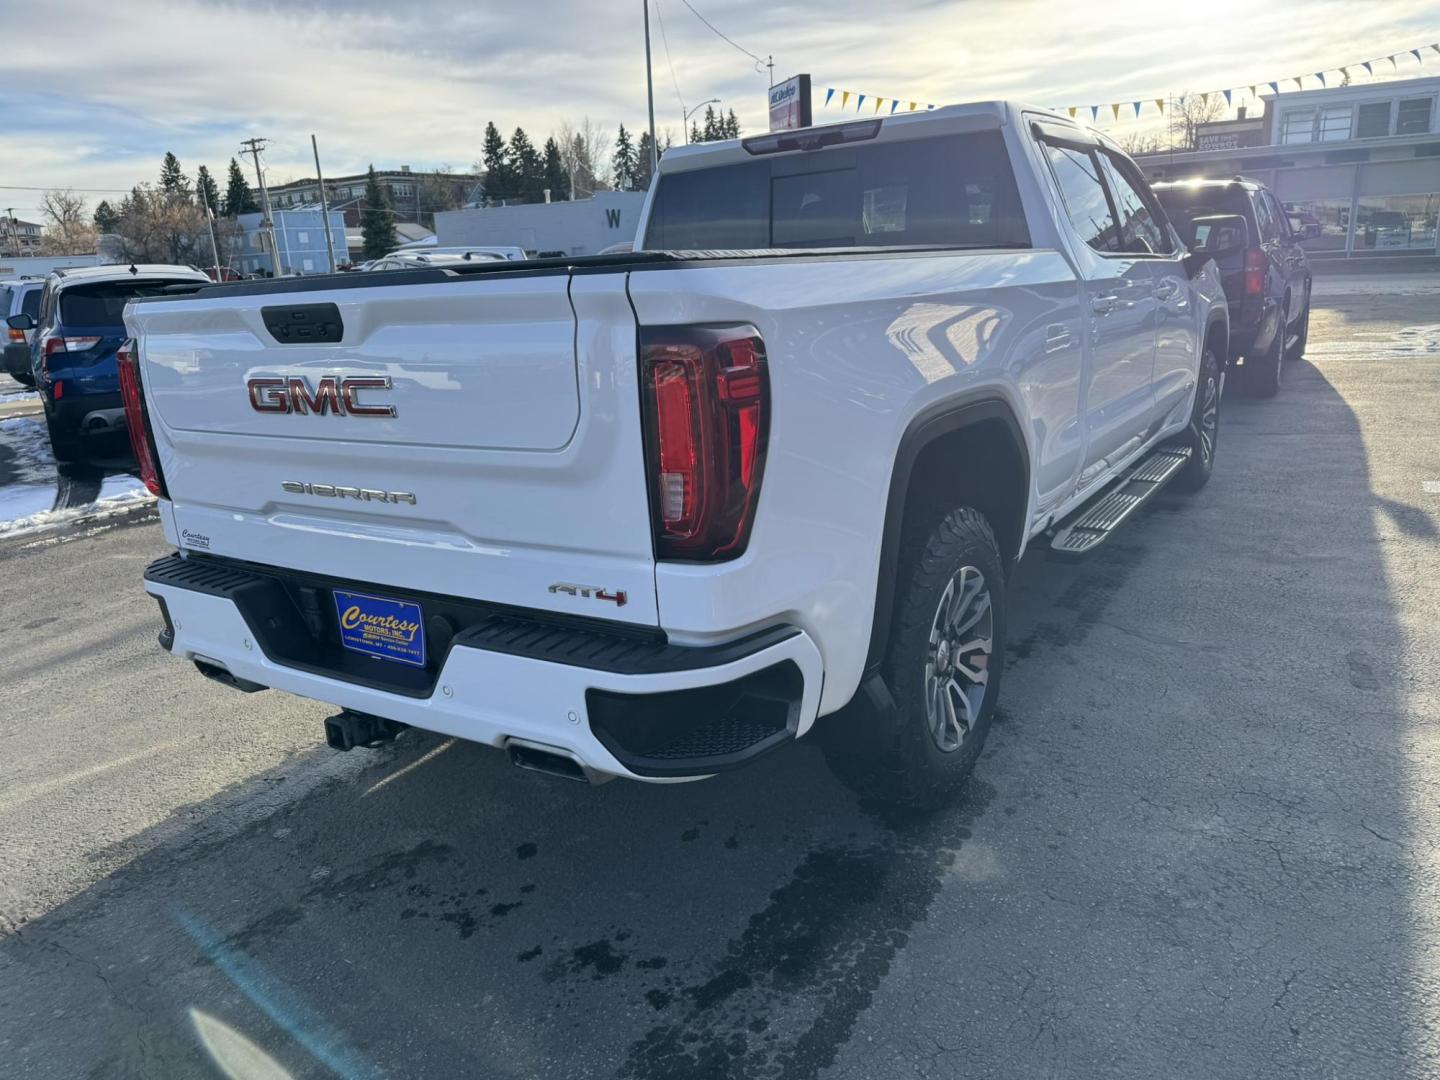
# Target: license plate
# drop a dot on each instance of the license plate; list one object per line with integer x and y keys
{"x": 379, "y": 627}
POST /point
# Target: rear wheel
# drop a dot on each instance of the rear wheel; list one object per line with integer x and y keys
{"x": 943, "y": 670}
{"x": 1204, "y": 427}
{"x": 1296, "y": 351}
{"x": 1262, "y": 373}
{"x": 64, "y": 445}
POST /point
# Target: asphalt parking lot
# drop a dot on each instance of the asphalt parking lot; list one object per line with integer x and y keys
{"x": 1203, "y": 841}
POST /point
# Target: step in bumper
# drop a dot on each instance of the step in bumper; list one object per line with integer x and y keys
{"x": 642, "y": 710}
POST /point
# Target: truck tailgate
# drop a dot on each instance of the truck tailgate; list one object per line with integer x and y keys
{"x": 512, "y": 463}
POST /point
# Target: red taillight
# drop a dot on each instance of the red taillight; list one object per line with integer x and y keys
{"x": 128, "y": 361}
{"x": 707, "y": 403}
{"x": 1255, "y": 272}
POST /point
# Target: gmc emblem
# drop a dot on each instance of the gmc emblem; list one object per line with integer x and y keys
{"x": 333, "y": 394}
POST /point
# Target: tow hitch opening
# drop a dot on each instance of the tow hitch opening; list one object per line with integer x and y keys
{"x": 347, "y": 730}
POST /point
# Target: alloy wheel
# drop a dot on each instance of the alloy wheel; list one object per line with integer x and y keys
{"x": 957, "y": 665}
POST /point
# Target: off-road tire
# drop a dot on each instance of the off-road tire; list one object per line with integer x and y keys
{"x": 896, "y": 760}
{"x": 1204, "y": 420}
{"x": 1262, "y": 373}
{"x": 1296, "y": 351}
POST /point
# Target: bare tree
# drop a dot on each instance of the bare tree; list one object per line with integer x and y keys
{"x": 68, "y": 229}
{"x": 1149, "y": 141}
{"x": 154, "y": 227}
{"x": 585, "y": 151}
{"x": 1188, "y": 112}
{"x": 436, "y": 191}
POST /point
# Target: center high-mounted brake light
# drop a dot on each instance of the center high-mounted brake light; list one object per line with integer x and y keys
{"x": 1254, "y": 272}
{"x": 707, "y": 402}
{"x": 142, "y": 441}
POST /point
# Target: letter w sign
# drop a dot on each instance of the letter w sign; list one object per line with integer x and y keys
{"x": 612, "y": 218}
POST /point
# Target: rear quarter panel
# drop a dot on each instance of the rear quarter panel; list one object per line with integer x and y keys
{"x": 857, "y": 347}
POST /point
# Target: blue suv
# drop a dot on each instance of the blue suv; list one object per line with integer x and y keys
{"x": 71, "y": 356}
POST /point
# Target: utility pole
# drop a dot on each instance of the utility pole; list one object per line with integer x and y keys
{"x": 770, "y": 63}
{"x": 253, "y": 148}
{"x": 650, "y": 93}
{"x": 324, "y": 206}
{"x": 210, "y": 220}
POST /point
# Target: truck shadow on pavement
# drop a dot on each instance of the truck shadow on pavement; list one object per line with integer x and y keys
{"x": 1185, "y": 853}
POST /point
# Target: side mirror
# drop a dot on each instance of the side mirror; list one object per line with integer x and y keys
{"x": 1218, "y": 234}
{"x": 21, "y": 322}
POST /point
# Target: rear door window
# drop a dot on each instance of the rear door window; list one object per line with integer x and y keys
{"x": 103, "y": 304}
{"x": 1077, "y": 172}
{"x": 953, "y": 190}
{"x": 1140, "y": 232}
{"x": 1268, "y": 229}
{"x": 30, "y": 302}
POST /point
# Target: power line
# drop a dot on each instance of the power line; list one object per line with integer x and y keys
{"x": 759, "y": 63}
{"x": 64, "y": 187}
{"x": 666, "y": 42}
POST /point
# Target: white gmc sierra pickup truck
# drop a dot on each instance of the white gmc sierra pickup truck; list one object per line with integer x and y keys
{"x": 653, "y": 515}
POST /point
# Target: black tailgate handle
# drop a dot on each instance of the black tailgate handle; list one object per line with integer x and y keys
{"x": 304, "y": 324}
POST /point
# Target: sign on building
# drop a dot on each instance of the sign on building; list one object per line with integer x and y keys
{"x": 790, "y": 104}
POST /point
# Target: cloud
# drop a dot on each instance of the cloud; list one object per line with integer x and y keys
{"x": 415, "y": 83}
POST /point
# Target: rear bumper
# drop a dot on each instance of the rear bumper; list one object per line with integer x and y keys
{"x": 621, "y": 705}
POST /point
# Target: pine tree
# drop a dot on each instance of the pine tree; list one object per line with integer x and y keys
{"x": 377, "y": 223}
{"x": 239, "y": 199}
{"x": 696, "y": 135}
{"x": 107, "y": 218}
{"x": 714, "y": 126}
{"x": 528, "y": 177}
{"x": 556, "y": 179}
{"x": 173, "y": 182}
{"x": 623, "y": 163}
{"x": 499, "y": 179}
{"x": 731, "y": 126}
{"x": 206, "y": 191}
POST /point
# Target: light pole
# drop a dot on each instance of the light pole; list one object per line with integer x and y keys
{"x": 650, "y": 94}
{"x": 685, "y": 123}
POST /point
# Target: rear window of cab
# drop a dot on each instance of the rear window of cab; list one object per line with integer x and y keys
{"x": 103, "y": 304}
{"x": 951, "y": 190}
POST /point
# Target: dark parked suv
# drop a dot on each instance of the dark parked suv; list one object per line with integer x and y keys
{"x": 1265, "y": 273}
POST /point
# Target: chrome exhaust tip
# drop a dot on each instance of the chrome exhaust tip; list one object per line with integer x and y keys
{"x": 552, "y": 760}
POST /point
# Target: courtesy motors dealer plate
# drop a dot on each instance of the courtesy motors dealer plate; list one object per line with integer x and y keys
{"x": 380, "y": 627}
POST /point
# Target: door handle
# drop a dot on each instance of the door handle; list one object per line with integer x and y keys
{"x": 1103, "y": 305}
{"x": 1057, "y": 337}
{"x": 1166, "y": 288}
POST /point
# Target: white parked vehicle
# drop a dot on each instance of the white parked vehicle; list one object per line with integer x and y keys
{"x": 409, "y": 260}
{"x": 654, "y": 514}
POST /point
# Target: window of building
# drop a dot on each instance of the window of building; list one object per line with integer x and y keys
{"x": 308, "y": 264}
{"x": 302, "y": 237}
{"x": 1297, "y": 126}
{"x": 1078, "y": 174}
{"x": 1397, "y": 224}
{"x": 1320, "y": 224}
{"x": 1373, "y": 121}
{"x": 1413, "y": 116}
{"x": 402, "y": 190}
{"x": 1334, "y": 125}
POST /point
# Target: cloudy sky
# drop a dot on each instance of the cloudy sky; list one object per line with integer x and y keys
{"x": 93, "y": 92}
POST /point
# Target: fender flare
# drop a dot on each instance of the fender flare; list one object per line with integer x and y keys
{"x": 941, "y": 419}
{"x": 1219, "y": 315}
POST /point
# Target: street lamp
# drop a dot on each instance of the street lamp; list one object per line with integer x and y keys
{"x": 685, "y": 123}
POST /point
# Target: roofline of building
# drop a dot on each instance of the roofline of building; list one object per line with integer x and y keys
{"x": 1386, "y": 142}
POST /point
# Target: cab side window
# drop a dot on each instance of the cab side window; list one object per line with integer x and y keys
{"x": 1268, "y": 229}
{"x": 1142, "y": 230}
{"x": 1077, "y": 173}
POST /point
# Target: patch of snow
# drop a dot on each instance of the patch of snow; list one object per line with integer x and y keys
{"x": 21, "y": 505}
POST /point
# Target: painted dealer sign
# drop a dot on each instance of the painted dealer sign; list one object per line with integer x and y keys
{"x": 790, "y": 104}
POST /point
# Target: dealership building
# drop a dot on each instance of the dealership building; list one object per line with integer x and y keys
{"x": 1356, "y": 167}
